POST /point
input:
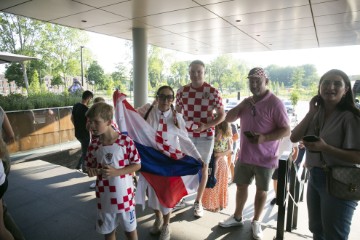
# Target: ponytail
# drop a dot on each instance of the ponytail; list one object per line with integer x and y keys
{"x": 176, "y": 123}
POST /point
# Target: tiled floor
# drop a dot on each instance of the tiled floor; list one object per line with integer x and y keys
{"x": 51, "y": 202}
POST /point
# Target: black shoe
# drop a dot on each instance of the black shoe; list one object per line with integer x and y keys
{"x": 273, "y": 201}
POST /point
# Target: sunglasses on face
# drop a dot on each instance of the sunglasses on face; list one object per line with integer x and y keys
{"x": 164, "y": 97}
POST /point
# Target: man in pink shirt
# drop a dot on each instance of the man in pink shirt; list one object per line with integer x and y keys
{"x": 263, "y": 121}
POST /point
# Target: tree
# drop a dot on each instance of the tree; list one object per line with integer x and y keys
{"x": 56, "y": 81}
{"x": 57, "y": 46}
{"x": 35, "y": 83}
{"x": 179, "y": 73}
{"x": 95, "y": 73}
{"x": 219, "y": 68}
{"x": 120, "y": 77}
{"x": 156, "y": 66}
{"x": 294, "y": 97}
{"x": 61, "y": 47}
{"x": 19, "y": 35}
{"x": 297, "y": 77}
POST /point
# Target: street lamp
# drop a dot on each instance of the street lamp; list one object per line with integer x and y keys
{"x": 82, "y": 69}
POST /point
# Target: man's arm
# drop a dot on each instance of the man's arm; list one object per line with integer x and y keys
{"x": 233, "y": 114}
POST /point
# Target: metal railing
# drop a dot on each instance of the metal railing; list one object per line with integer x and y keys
{"x": 291, "y": 180}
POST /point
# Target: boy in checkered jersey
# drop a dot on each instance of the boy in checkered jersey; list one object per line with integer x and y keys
{"x": 112, "y": 158}
{"x": 197, "y": 101}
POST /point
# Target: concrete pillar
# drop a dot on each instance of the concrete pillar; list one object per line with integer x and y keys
{"x": 140, "y": 75}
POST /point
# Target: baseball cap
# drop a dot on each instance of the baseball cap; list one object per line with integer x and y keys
{"x": 257, "y": 72}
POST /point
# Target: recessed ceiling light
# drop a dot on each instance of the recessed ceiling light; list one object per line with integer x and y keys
{"x": 84, "y": 21}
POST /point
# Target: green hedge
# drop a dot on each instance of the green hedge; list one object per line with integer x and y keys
{"x": 14, "y": 102}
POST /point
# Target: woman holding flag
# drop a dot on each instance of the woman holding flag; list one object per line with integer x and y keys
{"x": 170, "y": 131}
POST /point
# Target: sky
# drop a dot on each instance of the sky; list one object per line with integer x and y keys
{"x": 109, "y": 51}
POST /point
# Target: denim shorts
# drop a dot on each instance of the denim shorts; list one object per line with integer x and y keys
{"x": 205, "y": 146}
{"x": 245, "y": 174}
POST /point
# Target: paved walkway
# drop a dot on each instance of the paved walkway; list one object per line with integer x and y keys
{"x": 52, "y": 202}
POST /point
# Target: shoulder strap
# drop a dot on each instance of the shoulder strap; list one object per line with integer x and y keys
{"x": 147, "y": 112}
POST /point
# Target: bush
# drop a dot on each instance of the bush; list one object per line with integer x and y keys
{"x": 15, "y": 102}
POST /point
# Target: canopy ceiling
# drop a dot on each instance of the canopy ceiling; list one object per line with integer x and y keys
{"x": 207, "y": 26}
{"x": 10, "y": 57}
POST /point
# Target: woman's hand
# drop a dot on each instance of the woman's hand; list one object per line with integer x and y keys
{"x": 314, "y": 104}
{"x": 317, "y": 146}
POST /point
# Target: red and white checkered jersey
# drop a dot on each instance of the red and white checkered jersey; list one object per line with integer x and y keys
{"x": 114, "y": 194}
{"x": 197, "y": 105}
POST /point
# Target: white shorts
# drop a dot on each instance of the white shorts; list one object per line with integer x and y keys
{"x": 205, "y": 146}
{"x": 108, "y": 222}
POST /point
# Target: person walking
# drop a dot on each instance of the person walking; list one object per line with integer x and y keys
{"x": 264, "y": 121}
{"x": 79, "y": 120}
{"x": 334, "y": 119}
{"x": 197, "y": 102}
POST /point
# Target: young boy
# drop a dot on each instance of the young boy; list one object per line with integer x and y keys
{"x": 112, "y": 157}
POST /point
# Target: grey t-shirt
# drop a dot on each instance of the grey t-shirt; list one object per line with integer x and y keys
{"x": 341, "y": 130}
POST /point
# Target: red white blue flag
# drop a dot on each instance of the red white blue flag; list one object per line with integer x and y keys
{"x": 172, "y": 176}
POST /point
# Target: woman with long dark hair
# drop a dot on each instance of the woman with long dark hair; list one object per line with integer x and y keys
{"x": 335, "y": 121}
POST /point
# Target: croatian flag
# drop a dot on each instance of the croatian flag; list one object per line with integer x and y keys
{"x": 172, "y": 176}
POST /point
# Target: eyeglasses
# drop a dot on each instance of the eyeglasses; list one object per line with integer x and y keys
{"x": 163, "y": 97}
{"x": 253, "y": 110}
{"x": 336, "y": 83}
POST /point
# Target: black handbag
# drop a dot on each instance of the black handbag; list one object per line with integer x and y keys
{"x": 211, "y": 181}
{"x": 343, "y": 182}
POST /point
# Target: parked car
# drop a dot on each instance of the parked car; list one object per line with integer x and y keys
{"x": 289, "y": 107}
{"x": 231, "y": 104}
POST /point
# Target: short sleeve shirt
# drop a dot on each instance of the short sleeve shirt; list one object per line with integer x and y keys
{"x": 269, "y": 114}
{"x": 341, "y": 130}
{"x": 78, "y": 112}
{"x": 198, "y": 105}
{"x": 114, "y": 194}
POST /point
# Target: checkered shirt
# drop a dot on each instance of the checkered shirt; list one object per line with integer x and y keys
{"x": 162, "y": 137}
{"x": 113, "y": 194}
{"x": 198, "y": 105}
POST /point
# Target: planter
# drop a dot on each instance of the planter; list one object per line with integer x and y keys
{"x": 40, "y": 128}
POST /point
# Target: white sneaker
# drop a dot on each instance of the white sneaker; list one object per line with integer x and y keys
{"x": 93, "y": 185}
{"x": 165, "y": 232}
{"x": 198, "y": 210}
{"x": 179, "y": 205}
{"x": 157, "y": 226}
{"x": 256, "y": 230}
{"x": 230, "y": 222}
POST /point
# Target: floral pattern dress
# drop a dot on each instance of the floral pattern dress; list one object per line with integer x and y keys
{"x": 215, "y": 199}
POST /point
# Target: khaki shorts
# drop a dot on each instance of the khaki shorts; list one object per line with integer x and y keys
{"x": 108, "y": 222}
{"x": 245, "y": 174}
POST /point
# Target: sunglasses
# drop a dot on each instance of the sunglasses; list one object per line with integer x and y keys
{"x": 163, "y": 97}
{"x": 253, "y": 110}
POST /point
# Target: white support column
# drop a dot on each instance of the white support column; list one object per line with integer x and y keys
{"x": 140, "y": 75}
